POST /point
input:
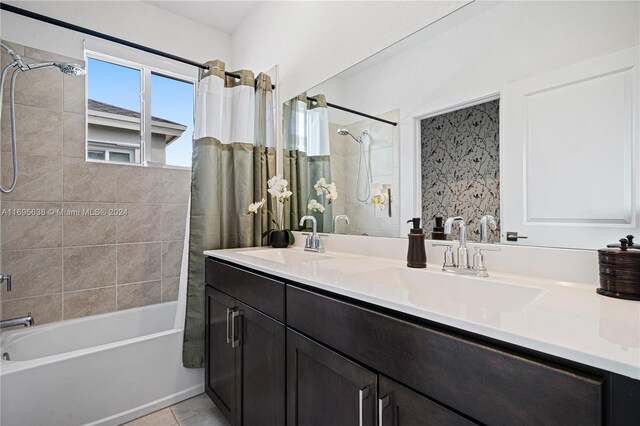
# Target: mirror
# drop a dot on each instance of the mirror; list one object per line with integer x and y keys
{"x": 523, "y": 111}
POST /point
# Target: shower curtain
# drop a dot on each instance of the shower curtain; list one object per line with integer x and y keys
{"x": 306, "y": 156}
{"x": 233, "y": 157}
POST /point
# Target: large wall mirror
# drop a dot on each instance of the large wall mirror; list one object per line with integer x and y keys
{"x": 527, "y": 112}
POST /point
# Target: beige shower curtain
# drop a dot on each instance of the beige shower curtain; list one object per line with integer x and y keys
{"x": 306, "y": 155}
{"x": 233, "y": 157}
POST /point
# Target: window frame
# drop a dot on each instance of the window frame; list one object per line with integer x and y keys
{"x": 145, "y": 106}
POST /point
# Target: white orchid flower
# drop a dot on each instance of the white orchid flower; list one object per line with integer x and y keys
{"x": 271, "y": 182}
{"x": 315, "y": 206}
{"x": 320, "y": 186}
{"x": 255, "y": 207}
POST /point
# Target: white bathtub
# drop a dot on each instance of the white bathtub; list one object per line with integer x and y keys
{"x": 100, "y": 370}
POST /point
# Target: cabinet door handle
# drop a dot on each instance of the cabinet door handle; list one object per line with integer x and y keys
{"x": 234, "y": 342}
{"x": 382, "y": 404}
{"x": 363, "y": 394}
{"x": 228, "y": 338}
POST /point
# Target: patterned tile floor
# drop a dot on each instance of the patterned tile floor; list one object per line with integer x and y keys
{"x": 196, "y": 411}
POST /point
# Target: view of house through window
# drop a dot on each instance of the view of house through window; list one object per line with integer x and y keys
{"x": 115, "y": 115}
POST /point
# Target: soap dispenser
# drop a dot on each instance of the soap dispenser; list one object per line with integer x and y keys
{"x": 416, "y": 255}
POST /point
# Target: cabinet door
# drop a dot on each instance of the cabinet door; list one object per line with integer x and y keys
{"x": 261, "y": 342}
{"x": 221, "y": 366}
{"x": 401, "y": 406}
{"x": 324, "y": 388}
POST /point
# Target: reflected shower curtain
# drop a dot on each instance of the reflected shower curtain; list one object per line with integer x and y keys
{"x": 233, "y": 157}
{"x": 306, "y": 156}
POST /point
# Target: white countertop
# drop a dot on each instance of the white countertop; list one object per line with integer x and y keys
{"x": 568, "y": 320}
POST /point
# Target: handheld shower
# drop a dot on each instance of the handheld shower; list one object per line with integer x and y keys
{"x": 18, "y": 66}
{"x": 362, "y": 159}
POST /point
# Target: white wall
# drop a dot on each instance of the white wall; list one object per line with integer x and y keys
{"x": 505, "y": 43}
{"x": 314, "y": 40}
{"x": 134, "y": 21}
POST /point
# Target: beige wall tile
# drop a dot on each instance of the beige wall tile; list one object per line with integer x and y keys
{"x": 139, "y": 294}
{"x": 28, "y": 232}
{"x": 74, "y": 100}
{"x": 74, "y": 135}
{"x": 43, "y": 55}
{"x": 176, "y": 185}
{"x": 39, "y": 179}
{"x": 170, "y": 287}
{"x": 89, "y": 302}
{"x": 39, "y": 88}
{"x": 138, "y": 262}
{"x": 85, "y": 181}
{"x": 171, "y": 258}
{"x": 174, "y": 218}
{"x": 44, "y": 309}
{"x": 140, "y": 224}
{"x": 38, "y": 130}
{"x": 85, "y": 229}
{"x": 33, "y": 272}
{"x": 89, "y": 267}
{"x": 139, "y": 184}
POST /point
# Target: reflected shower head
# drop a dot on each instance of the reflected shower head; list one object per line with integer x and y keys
{"x": 345, "y": 132}
{"x": 70, "y": 69}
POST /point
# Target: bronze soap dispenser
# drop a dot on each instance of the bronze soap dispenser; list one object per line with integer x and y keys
{"x": 416, "y": 255}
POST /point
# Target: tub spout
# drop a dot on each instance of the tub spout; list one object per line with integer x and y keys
{"x": 25, "y": 321}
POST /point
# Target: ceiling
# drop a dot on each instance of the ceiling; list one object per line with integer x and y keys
{"x": 224, "y": 16}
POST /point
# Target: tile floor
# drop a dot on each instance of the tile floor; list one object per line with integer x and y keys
{"x": 196, "y": 411}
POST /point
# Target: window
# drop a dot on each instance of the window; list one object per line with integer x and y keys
{"x": 138, "y": 114}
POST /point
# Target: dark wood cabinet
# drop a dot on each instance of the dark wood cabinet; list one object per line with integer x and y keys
{"x": 222, "y": 365}
{"x": 401, "y": 406}
{"x": 289, "y": 354}
{"x": 245, "y": 361}
{"x": 261, "y": 343}
{"x": 324, "y": 388}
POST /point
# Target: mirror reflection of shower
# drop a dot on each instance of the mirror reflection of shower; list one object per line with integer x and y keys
{"x": 18, "y": 66}
{"x": 362, "y": 191}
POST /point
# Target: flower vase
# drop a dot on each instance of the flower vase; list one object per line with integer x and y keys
{"x": 279, "y": 239}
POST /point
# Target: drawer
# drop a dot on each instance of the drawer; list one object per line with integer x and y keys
{"x": 264, "y": 294}
{"x": 488, "y": 384}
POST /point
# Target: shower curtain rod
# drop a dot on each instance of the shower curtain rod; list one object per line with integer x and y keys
{"x": 73, "y": 27}
{"x": 353, "y": 111}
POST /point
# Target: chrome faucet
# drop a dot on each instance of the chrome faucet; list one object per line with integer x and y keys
{"x": 463, "y": 253}
{"x": 313, "y": 243}
{"x": 26, "y": 321}
{"x": 335, "y": 222}
{"x": 6, "y": 278}
{"x": 485, "y": 221}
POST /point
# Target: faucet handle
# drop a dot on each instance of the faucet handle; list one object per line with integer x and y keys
{"x": 449, "y": 260}
{"x": 6, "y": 278}
{"x": 478, "y": 259}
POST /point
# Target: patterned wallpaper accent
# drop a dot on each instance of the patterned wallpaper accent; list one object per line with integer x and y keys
{"x": 460, "y": 167}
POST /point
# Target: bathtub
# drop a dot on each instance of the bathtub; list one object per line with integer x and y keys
{"x": 100, "y": 370}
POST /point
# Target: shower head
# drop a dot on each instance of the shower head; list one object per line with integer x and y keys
{"x": 345, "y": 132}
{"x": 70, "y": 69}
{"x": 66, "y": 67}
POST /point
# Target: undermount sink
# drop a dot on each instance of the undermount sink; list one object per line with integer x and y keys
{"x": 285, "y": 256}
{"x": 469, "y": 297}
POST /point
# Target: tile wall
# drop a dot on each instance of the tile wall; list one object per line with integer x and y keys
{"x": 383, "y": 157}
{"x": 66, "y": 265}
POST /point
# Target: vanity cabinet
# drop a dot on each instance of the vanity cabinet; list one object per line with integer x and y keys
{"x": 400, "y": 406}
{"x": 245, "y": 348}
{"x": 324, "y": 388}
{"x": 352, "y": 363}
